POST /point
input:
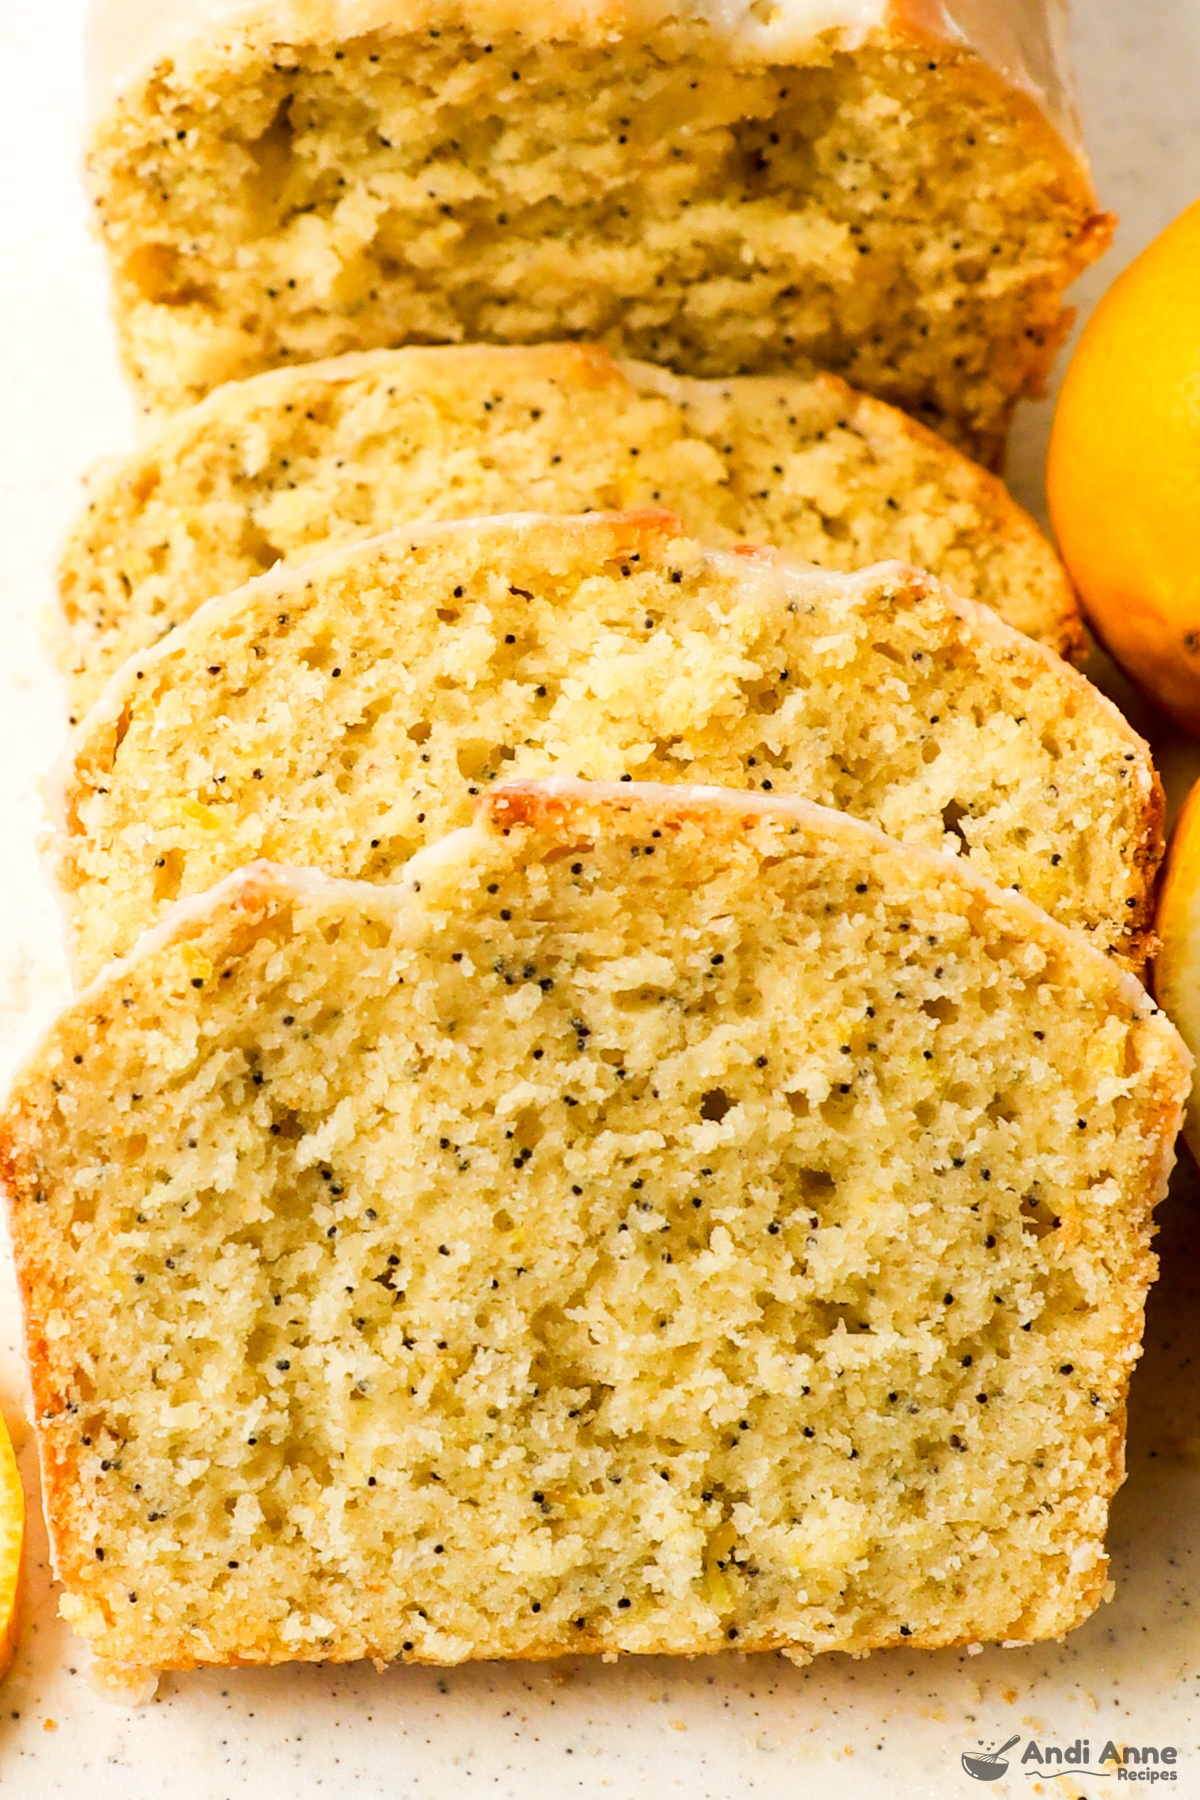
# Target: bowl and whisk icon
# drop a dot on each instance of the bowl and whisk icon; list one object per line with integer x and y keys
{"x": 989, "y": 1765}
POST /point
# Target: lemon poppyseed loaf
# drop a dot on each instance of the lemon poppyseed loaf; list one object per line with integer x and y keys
{"x": 290, "y": 464}
{"x": 890, "y": 190}
{"x": 345, "y": 713}
{"x": 664, "y": 1219}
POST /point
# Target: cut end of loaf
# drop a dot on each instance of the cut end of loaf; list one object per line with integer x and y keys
{"x": 525, "y": 1151}
{"x": 670, "y": 203}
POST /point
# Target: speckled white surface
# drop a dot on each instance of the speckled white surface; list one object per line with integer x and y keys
{"x": 891, "y": 1728}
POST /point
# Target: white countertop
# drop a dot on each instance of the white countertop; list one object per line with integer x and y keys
{"x": 731, "y": 1728}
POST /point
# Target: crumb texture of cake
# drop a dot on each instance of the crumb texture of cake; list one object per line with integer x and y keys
{"x": 488, "y": 1266}
{"x": 289, "y": 465}
{"x": 346, "y": 713}
{"x": 280, "y": 183}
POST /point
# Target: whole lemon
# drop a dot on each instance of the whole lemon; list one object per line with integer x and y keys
{"x": 1124, "y": 470}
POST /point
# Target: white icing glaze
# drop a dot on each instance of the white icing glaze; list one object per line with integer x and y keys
{"x": 1025, "y": 40}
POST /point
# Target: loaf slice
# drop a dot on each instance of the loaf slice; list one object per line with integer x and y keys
{"x": 899, "y": 197}
{"x": 663, "y": 1220}
{"x": 288, "y": 465}
{"x": 345, "y": 713}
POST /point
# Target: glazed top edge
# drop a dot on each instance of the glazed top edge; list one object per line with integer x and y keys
{"x": 1023, "y": 40}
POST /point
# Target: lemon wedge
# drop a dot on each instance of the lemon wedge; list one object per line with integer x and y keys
{"x": 12, "y": 1538}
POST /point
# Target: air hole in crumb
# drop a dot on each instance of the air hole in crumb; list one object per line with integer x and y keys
{"x": 952, "y": 813}
{"x": 714, "y": 1105}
